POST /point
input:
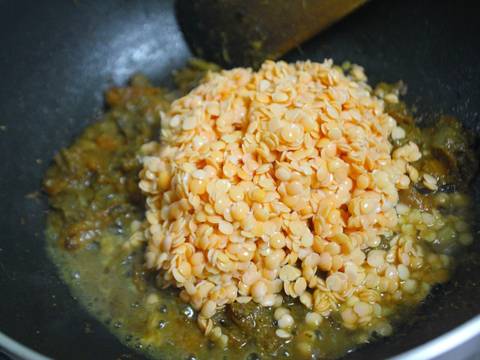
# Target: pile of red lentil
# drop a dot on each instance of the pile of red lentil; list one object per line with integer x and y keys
{"x": 284, "y": 182}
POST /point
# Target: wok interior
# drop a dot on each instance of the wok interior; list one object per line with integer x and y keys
{"x": 59, "y": 56}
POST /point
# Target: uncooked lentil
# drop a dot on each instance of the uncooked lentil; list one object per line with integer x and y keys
{"x": 295, "y": 205}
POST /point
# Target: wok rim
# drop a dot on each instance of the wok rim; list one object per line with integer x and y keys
{"x": 441, "y": 345}
{"x": 14, "y": 348}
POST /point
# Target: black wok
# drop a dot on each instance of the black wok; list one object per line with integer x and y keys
{"x": 57, "y": 57}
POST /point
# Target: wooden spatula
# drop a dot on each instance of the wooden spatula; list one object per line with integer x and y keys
{"x": 246, "y": 32}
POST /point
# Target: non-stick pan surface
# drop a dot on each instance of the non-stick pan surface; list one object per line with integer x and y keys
{"x": 57, "y": 57}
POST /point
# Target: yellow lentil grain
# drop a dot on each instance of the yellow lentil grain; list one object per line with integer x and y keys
{"x": 164, "y": 179}
{"x": 258, "y": 195}
{"x": 325, "y": 261}
{"x": 236, "y": 193}
{"x": 362, "y": 309}
{"x": 239, "y": 210}
{"x": 274, "y": 259}
{"x": 286, "y": 321}
{"x": 349, "y": 316}
{"x": 306, "y": 299}
{"x": 208, "y": 309}
{"x": 291, "y": 132}
{"x": 335, "y": 282}
{"x": 260, "y": 213}
{"x": 281, "y": 333}
{"x": 313, "y": 320}
{"x": 225, "y": 228}
{"x": 277, "y": 240}
{"x": 363, "y": 181}
{"x": 294, "y": 188}
{"x": 198, "y": 187}
{"x": 376, "y": 258}
{"x": 282, "y": 174}
{"x": 300, "y": 286}
{"x": 259, "y": 289}
{"x": 398, "y": 132}
{"x": 280, "y": 312}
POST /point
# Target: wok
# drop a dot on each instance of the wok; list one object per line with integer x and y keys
{"x": 57, "y": 58}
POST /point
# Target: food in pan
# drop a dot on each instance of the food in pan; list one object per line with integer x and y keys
{"x": 293, "y": 211}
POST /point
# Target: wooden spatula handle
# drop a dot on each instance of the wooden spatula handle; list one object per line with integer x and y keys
{"x": 245, "y": 32}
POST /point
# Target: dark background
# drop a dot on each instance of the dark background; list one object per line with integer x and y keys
{"x": 58, "y": 56}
